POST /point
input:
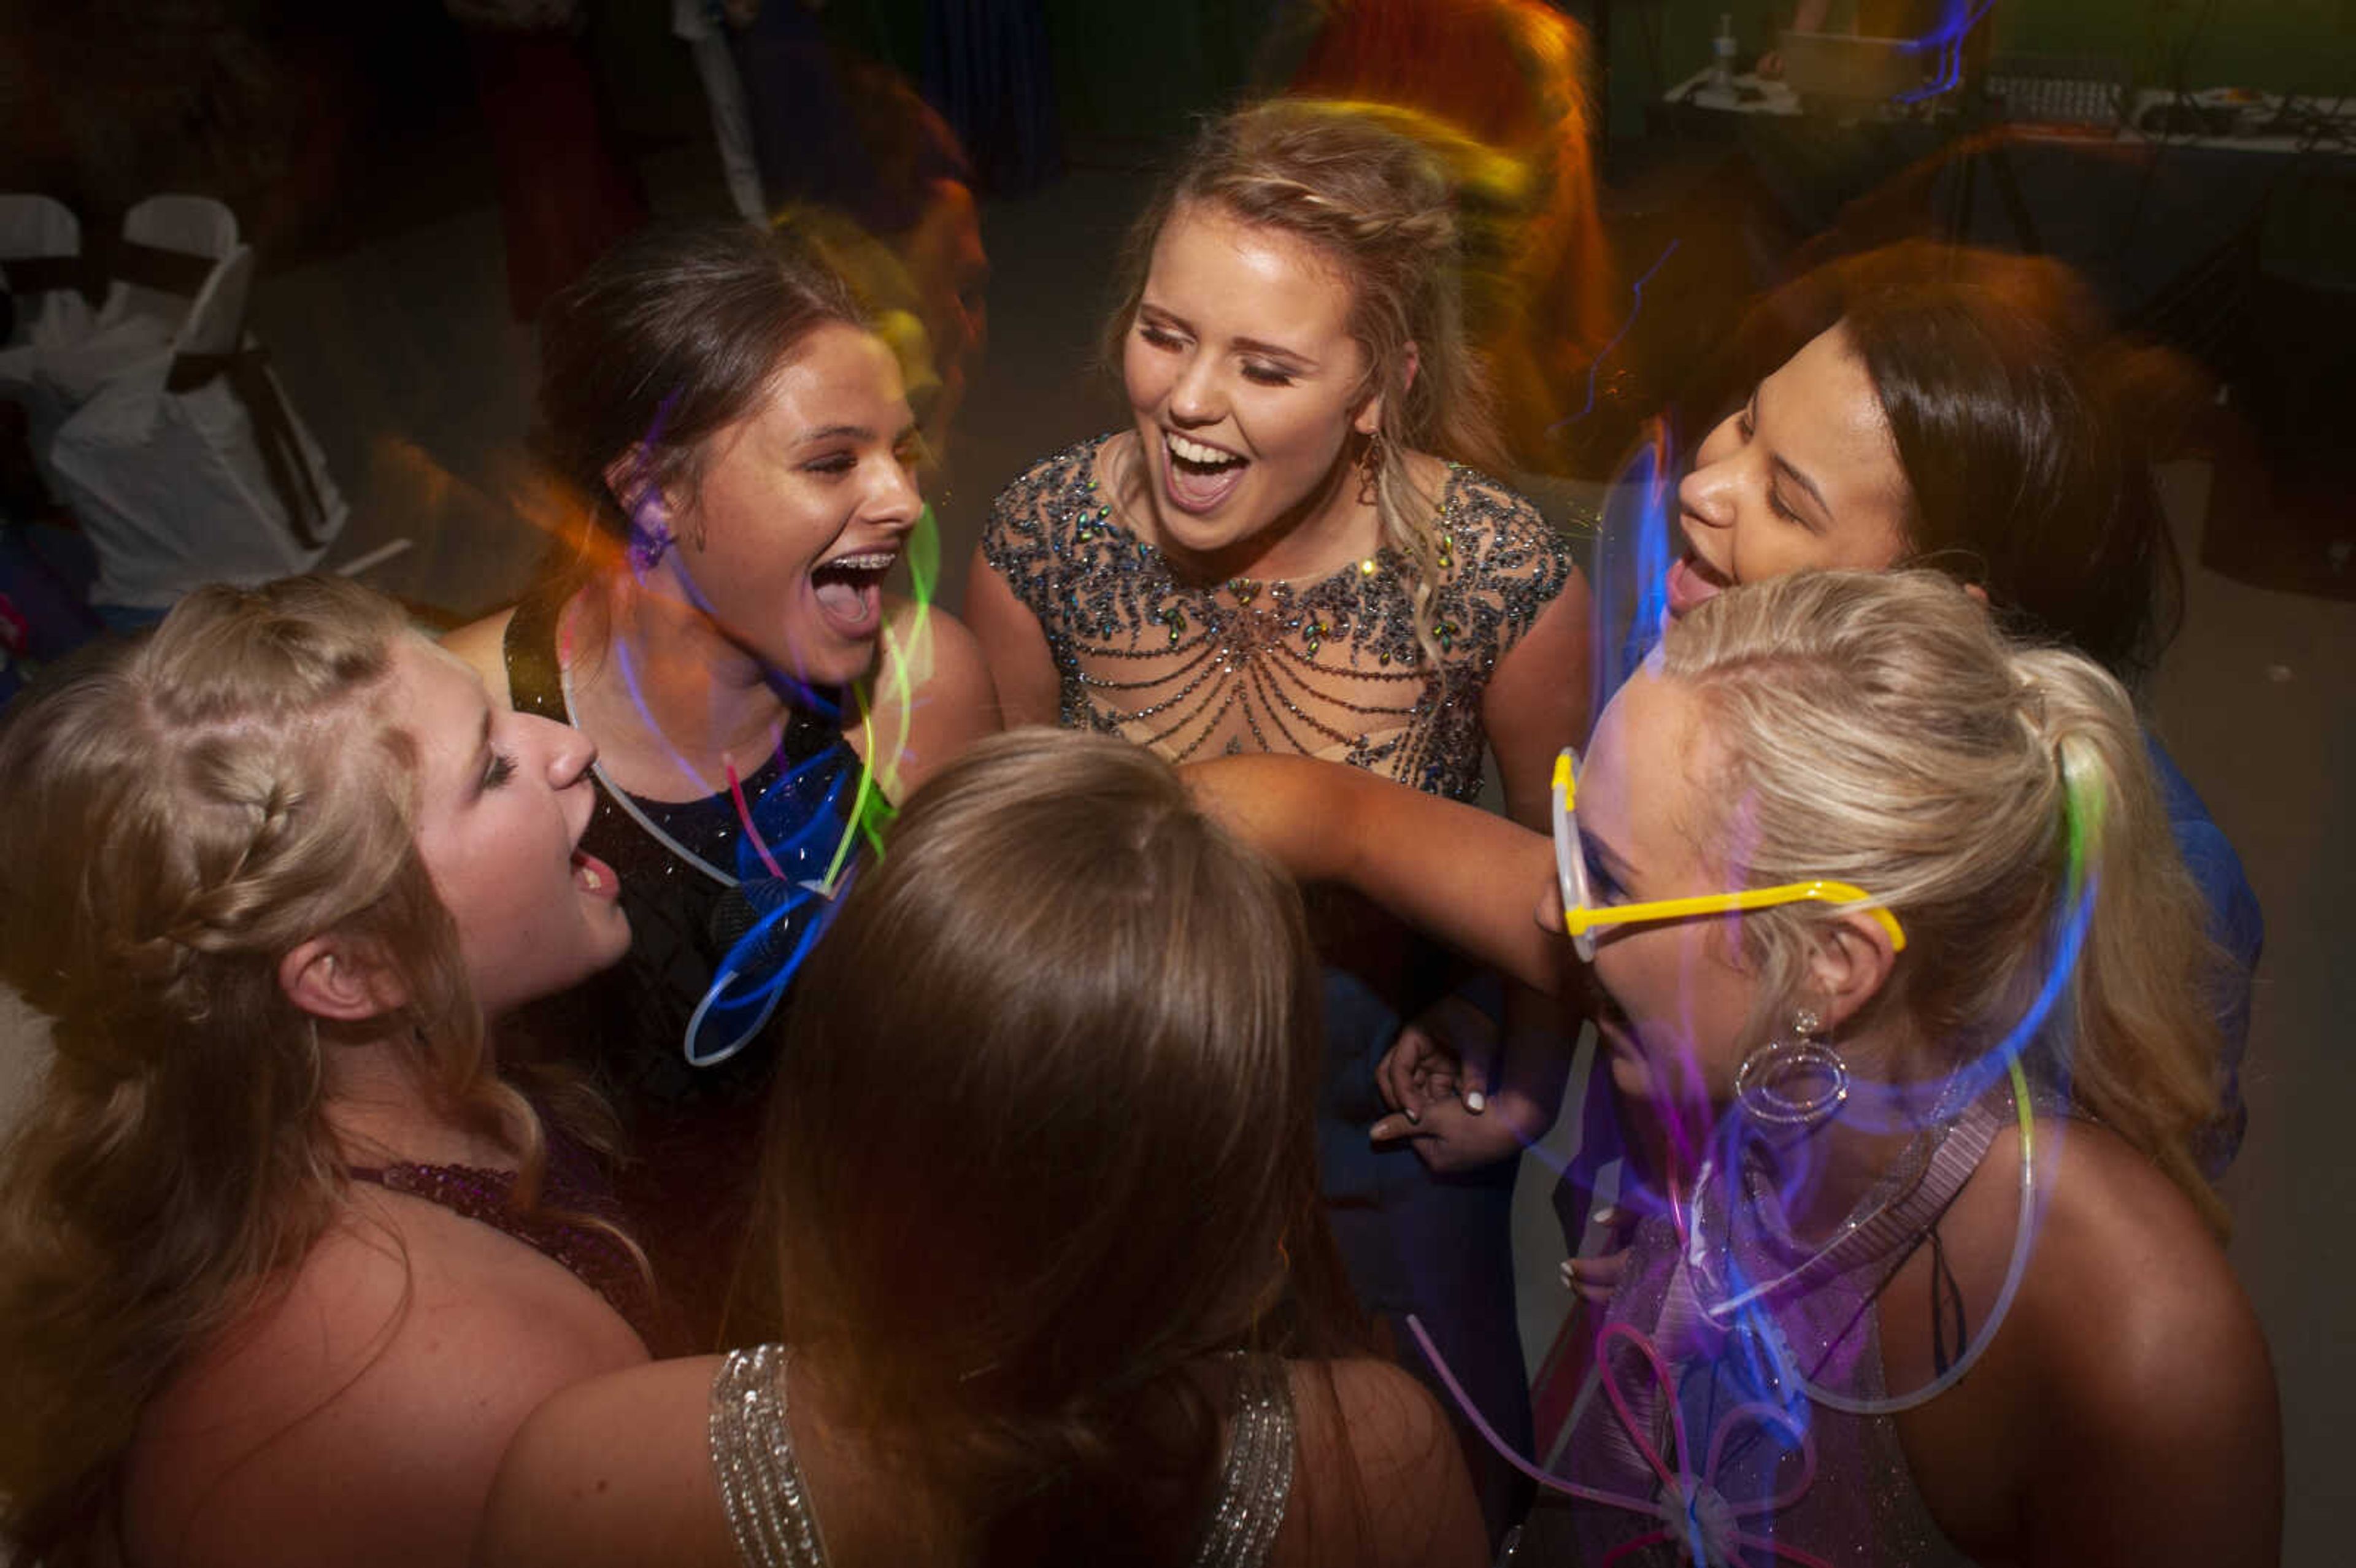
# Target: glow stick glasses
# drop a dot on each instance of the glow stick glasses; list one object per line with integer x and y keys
{"x": 1580, "y": 914}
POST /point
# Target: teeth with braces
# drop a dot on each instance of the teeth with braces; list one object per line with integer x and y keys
{"x": 1196, "y": 452}
{"x": 874, "y": 561}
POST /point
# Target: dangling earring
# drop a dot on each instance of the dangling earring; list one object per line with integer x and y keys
{"x": 1805, "y": 1062}
{"x": 1370, "y": 470}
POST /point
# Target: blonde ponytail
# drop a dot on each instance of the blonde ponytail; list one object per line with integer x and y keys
{"x": 2145, "y": 1042}
{"x": 1874, "y": 728}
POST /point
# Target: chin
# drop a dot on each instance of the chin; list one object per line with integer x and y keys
{"x": 834, "y": 662}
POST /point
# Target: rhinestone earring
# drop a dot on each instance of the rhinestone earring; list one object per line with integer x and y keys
{"x": 1793, "y": 1080}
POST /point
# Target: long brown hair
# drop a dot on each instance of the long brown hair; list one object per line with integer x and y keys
{"x": 1041, "y": 1146}
{"x": 174, "y": 820}
{"x": 2023, "y": 425}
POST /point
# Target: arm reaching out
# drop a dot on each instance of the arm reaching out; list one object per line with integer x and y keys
{"x": 1466, "y": 877}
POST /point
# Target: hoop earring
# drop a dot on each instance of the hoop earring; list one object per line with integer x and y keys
{"x": 1763, "y": 1083}
{"x": 1370, "y": 471}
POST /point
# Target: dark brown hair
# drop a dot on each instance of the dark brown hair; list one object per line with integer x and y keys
{"x": 670, "y": 337}
{"x": 2017, "y": 417}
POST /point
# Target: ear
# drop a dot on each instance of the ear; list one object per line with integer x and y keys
{"x": 1369, "y": 417}
{"x": 631, "y": 488}
{"x": 1850, "y": 964}
{"x": 332, "y": 977}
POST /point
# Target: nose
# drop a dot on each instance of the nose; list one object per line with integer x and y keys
{"x": 570, "y": 752}
{"x": 1708, "y": 490}
{"x": 1195, "y": 397}
{"x": 893, "y": 497}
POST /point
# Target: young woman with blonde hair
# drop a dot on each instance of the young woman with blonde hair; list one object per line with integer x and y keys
{"x": 1043, "y": 1211}
{"x": 1284, "y": 553}
{"x": 1890, "y": 959}
{"x": 283, "y": 1259}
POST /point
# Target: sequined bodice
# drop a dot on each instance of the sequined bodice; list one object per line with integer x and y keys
{"x": 769, "y": 1511}
{"x": 1328, "y": 667}
{"x": 596, "y": 1257}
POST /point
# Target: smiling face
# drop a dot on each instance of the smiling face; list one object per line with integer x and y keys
{"x": 1676, "y": 1002}
{"x": 801, "y": 510}
{"x": 503, "y": 799}
{"x": 1804, "y": 476}
{"x": 1247, "y": 386}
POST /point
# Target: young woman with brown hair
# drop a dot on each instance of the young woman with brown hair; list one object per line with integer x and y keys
{"x": 1043, "y": 1212}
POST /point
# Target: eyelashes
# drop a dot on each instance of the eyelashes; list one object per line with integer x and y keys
{"x": 1600, "y": 882}
{"x": 501, "y": 771}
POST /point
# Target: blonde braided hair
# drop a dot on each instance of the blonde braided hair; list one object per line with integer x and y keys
{"x": 173, "y": 822}
{"x": 1375, "y": 189}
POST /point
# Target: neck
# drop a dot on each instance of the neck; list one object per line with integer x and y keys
{"x": 382, "y": 1112}
{"x": 665, "y": 675}
{"x": 1825, "y": 1172}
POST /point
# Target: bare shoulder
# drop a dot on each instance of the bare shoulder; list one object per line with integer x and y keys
{"x": 357, "y": 1414}
{"x": 1378, "y": 1477}
{"x": 483, "y": 644}
{"x": 2144, "y": 1419}
{"x": 932, "y": 694}
{"x": 2130, "y": 1294}
{"x": 612, "y": 1470}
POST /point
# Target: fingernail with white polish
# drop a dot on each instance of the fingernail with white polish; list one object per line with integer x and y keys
{"x": 1476, "y": 1102}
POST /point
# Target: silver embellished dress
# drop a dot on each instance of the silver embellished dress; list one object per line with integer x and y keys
{"x": 769, "y": 1511}
{"x": 1327, "y": 667}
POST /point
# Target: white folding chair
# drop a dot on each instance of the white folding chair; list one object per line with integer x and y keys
{"x": 41, "y": 264}
{"x": 170, "y": 245}
{"x": 40, "y": 260}
{"x": 191, "y": 467}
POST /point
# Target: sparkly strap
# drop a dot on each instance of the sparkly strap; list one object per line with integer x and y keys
{"x": 1257, "y": 1481}
{"x": 752, "y": 1458}
{"x": 768, "y": 1508}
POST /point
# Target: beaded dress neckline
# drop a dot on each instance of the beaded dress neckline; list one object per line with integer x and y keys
{"x": 1325, "y": 667}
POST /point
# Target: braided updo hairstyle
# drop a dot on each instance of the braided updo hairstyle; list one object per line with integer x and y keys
{"x": 1374, "y": 190}
{"x": 173, "y": 822}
